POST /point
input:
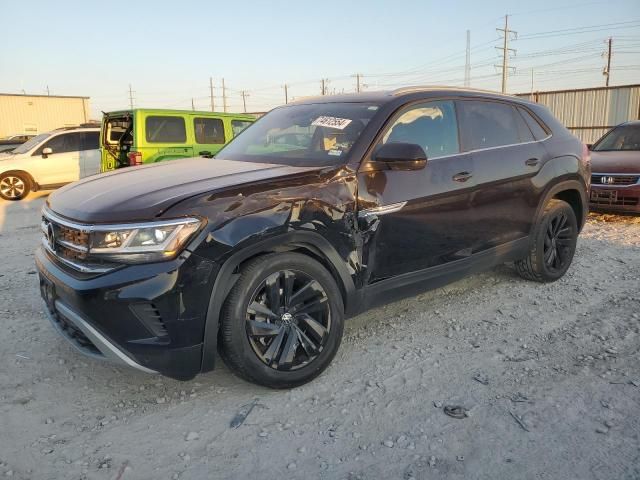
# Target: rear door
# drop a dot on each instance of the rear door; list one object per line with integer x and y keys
{"x": 419, "y": 219}
{"x": 209, "y": 135}
{"x": 506, "y": 157}
{"x": 163, "y": 137}
{"x": 61, "y": 166}
{"x": 90, "y": 154}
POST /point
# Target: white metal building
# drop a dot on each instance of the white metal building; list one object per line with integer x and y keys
{"x": 590, "y": 112}
{"x": 33, "y": 114}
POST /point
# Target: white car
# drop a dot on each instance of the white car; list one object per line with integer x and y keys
{"x": 50, "y": 160}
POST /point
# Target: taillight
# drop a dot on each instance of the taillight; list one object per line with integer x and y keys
{"x": 135, "y": 158}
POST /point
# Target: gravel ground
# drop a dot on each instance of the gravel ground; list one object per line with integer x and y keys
{"x": 549, "y": 376}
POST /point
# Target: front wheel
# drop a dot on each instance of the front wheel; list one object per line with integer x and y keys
{"x": 282, "y": 322}
{"x": 14, "y": 186}
{"x": 553, "y": 244}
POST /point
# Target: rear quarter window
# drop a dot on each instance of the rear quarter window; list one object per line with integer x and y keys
{"x": 208, "y": 130}
{"x": 538, "y": 132}
{"x": 165, "y": 129}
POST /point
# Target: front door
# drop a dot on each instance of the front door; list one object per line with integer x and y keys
{"x": 418, "y": 219}
{"x": 63, "y": 164}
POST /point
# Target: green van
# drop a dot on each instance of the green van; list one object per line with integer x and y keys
{"x": 140, "y": 136}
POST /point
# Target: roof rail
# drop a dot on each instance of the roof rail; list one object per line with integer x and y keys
{"x": 422, "y": 88}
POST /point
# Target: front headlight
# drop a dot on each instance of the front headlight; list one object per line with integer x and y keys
{"x": 145, "y": 242}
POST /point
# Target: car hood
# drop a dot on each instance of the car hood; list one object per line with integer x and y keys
{"x": 615, "y": 162}
{"x": 142, "y": 193}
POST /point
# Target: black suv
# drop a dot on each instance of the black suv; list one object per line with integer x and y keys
{"x": 263, "y": 251}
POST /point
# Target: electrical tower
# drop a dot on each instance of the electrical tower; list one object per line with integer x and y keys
{"x": 506, "y": 51}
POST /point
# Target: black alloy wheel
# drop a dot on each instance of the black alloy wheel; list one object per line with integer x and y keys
{"x": 288, "y": 320}
{"x": 558, "y": 241}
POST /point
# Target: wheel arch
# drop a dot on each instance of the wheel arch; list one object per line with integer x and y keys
{"x": 571, "y": 191}
{"x": 32, "y": 183}
{"x": 308, "y": 243}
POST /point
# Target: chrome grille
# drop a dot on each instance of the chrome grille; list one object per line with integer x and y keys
{"x": 614, "y": 179}
{"x": 69, "y": 244}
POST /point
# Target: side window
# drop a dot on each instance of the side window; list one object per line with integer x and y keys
{"x": 165, "y": 129}
{"x": 64, "y": 143}
{"x": 538, "y": 132}
{"x": 90, "y": 141}
{"x": 239, "y": 125}
{"x": 208, "y": 130}
{"x": 488, "y": 124}
{"x": 524, "y": 133}
{"x": 432, "y": 125}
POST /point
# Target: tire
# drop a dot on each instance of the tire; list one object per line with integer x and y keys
{"x": 553, "y": 244}
{"x": 14, "y": 186}
{"x": 273, "y": 331}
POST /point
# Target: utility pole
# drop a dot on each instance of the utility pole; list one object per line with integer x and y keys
{"x": 607, "y": 71}
{"x": 48, "y": 93}
{"x": 467, "y": 63}
{"x": 505, "y": 51}
{"x": 324, "y": 86}
{"x": 213, "y": 108}
{"x": 531, "y": 83}
{"x": 224, "y": 97}
{"x": 130, "y": 97}
{"x": 286, "y": 93}
{"x": 193, "y": 106}
{"x": 244, "y": 99}
{"x": 358, "y": 86}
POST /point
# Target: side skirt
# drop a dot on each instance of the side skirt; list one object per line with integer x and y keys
{"x": 409, "y": 284}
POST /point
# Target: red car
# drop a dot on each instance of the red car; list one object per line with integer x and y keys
{"x": 615, "y": 170}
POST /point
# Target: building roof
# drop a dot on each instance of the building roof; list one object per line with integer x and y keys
{"x": 35, "y": 95}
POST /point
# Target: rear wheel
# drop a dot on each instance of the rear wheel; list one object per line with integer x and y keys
{"x": 282, "y": 322}
{"x": 14, "y": 186}
{"x": 553, "y": 244}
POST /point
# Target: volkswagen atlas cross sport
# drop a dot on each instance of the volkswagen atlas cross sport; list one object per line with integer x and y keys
{"x": 261, "y": 252}
{"x": 615, "y": 179}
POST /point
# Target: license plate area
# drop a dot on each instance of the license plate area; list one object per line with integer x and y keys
{"x": 48, "y": 292}
{"x": 604, "y": 196}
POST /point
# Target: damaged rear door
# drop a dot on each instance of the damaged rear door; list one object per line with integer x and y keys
{"x": 422, "y": 218}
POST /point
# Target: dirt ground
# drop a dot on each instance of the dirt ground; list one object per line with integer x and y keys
{"x": 549, "y": 374}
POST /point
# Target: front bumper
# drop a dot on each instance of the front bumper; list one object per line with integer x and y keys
{"x": 150, "y": 317}
{"x": 616, "y": 198}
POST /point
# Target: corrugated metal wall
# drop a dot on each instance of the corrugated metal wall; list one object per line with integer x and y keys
{"x": 589, "y": 113}
{"x": 40, "y": 113}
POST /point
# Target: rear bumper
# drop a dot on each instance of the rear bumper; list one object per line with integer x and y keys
{"x": 625, "y": 198}
{"x": 150, "y": 317}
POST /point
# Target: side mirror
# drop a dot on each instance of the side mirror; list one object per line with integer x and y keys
{"x": 399, "y": 156}
{"x": 46, "y": 152}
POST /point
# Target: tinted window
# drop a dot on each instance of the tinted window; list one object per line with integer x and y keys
{"x": 64, "y": 143}
{"x": 208, "y": 130}
{"x": 488, "y": 124}
{"x": 538, "y": 132}
{"x": 90, "y": 140}
{"x": 524, "y": 133}
{"x": 165, "y": 130}
{"x": 25, "y": 147}
{"x": 626, "y": 137}
{"x": 238, "y": 125}
{"x": 431, "y": 125}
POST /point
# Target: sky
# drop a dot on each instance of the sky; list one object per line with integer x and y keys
{"x": 168, "y": 51}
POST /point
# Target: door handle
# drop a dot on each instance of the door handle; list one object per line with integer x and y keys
{"x": 532, "y": 162}
{"x": 462, "y": 177}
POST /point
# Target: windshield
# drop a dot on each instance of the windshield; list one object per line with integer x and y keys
{"x": 25, "y": 147}
{"x": 626, "y": 137}
{"x": 313, "y": 134}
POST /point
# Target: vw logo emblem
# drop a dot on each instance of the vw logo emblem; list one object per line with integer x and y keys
{"x": 50, "y": 237}
{"x": 606, "y": 180}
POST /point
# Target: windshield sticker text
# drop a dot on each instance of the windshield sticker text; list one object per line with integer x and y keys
{"x": 331, "y": 122}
